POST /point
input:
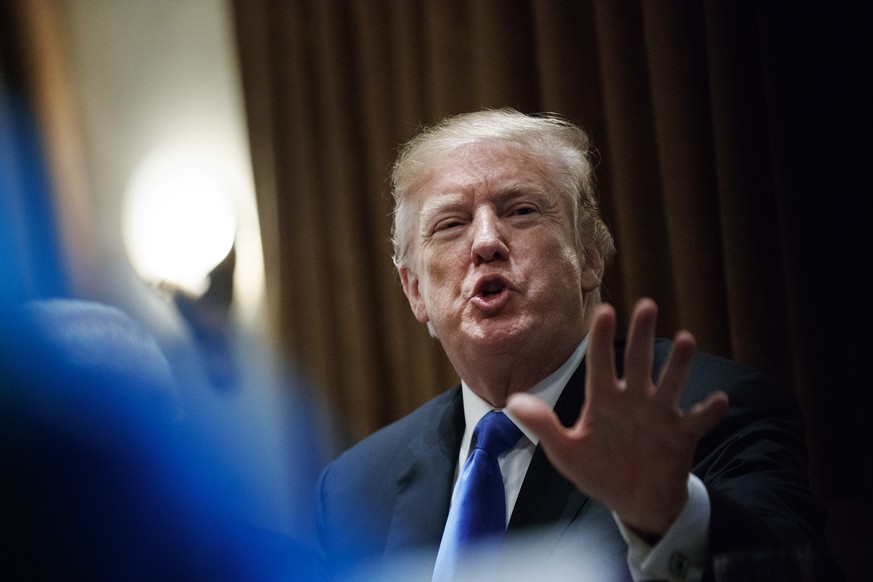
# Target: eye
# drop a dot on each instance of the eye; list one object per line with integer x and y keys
{"x": 523, "y": 210}
{"x": 447, "y": 224}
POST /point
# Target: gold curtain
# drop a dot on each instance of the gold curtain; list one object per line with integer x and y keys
{"x": 728, "y": 140}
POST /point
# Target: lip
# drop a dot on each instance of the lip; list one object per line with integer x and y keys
{"x": 494, "y": 302}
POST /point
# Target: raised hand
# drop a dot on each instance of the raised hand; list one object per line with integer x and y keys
{"x": 632, "y": 446}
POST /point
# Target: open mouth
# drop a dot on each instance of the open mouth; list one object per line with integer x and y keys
{"x": 491, "y": 294}
{"x": 491, "y": 288}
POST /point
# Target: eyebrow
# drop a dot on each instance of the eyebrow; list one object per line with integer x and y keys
{"x": 452, "y": 201}
{"x": 519, "y": 189}
{"x": 444, "y": 203}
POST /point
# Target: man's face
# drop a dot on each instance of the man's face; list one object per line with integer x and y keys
{"x": 493, "y": 263}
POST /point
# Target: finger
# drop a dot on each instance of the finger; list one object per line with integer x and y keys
{"x": 639, "y": 352}
{"x": 705, "y": 415}
{"x": 600, "y": 364}
{"x": 674, "y": 376}
{"x": 537, "y": 417}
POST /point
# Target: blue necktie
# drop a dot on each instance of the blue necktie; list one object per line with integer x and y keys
{"x": 479, "y": 506}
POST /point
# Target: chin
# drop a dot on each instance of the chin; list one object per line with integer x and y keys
{"x": 498, "y": 337}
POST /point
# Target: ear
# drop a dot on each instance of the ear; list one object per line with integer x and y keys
{"x": 409, "y": 281}
{"x": 592, "y": 270}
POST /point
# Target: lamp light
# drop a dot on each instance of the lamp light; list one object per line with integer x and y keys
{"x": 179, "y": 217}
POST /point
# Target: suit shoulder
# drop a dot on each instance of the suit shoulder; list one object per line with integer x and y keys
{"x": 392, "y": 443}
{"x": 746, "y": 387}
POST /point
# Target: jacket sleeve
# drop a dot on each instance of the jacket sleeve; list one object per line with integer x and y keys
{"x": 754, "y": 465}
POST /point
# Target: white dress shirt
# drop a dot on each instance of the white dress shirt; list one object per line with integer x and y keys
{"x": 678, "y": 556}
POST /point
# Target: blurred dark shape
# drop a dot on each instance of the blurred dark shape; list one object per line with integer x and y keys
{"x": 207, "y": 318}
{"x": 101, "y": 479}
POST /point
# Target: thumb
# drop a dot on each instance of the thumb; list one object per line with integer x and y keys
{"x": 536, "y": 416}
{"x": 704, "y": 415}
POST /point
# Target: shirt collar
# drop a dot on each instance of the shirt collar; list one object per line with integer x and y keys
{"x": 548, "y": 389}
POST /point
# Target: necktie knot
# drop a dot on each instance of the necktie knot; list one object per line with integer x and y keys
{"x": 495, "y": 433}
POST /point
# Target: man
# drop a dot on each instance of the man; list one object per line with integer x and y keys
{"x": 642, "y": 469}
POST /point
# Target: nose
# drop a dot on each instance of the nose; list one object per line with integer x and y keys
{"x": 489, "y": 243}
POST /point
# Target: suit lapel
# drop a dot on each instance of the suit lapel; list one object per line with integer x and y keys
{"x": 546, "y": 496}
{"x": 424, "y": 482}
{"x": 573, "y": 529}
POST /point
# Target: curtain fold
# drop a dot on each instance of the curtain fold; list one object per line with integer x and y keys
{"x": 675, "y": 58}
{"x": 709, "y": 119}
{"x": 629, "y": 147}
{"x": 753, "y": 273}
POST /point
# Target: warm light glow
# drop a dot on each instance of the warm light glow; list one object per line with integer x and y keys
{"x": 179, "y": 218}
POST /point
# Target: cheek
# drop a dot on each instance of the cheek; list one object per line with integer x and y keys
{"x": 444, "y": 280}
{"x": 572, "y": 262}
{"x": 443, "y": 262}
{"x": 434, "y": 277}
{"x": 558, "y": 270}
{"x": 555, "y": 249}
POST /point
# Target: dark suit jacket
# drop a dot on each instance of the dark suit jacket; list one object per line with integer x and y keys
{"x": 389, "y": 495}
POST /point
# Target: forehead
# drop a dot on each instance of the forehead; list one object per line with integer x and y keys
{"x": 484, "y": 168}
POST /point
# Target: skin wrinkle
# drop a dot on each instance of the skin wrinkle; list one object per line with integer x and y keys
{"x": 503, "y": 218}
{"x": 547, "y": 170}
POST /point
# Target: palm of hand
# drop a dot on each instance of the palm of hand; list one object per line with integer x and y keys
{"x": 632, "y": 446}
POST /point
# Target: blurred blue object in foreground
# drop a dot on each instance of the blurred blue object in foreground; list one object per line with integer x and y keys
{"x": 101, "y": 479}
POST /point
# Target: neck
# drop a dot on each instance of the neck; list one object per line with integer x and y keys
{"x": 494, "y": 378}
{"x": 495, "y": 375}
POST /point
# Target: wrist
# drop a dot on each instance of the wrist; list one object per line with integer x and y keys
{"x": 652, "y": 524}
